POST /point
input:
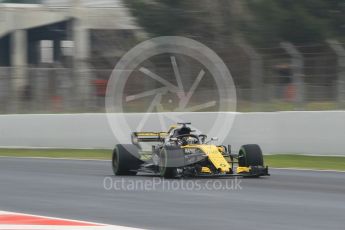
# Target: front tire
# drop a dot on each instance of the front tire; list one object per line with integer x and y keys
{"x": 250, "y": 155}
{"x": 126, "y": 160}
{"x": 171, "y": 158}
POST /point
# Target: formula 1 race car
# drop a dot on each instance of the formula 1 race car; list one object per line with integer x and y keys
{"x": 180, "y": 152}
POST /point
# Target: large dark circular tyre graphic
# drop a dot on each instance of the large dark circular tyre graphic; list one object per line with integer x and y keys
{"x": 170, "y": 159}
{"x": 250, "y": 155}
{"x": 126, "y": 160}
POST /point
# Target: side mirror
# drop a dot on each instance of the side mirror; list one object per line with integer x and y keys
{"x": 214, "y": 138}
{"x": 202, "y": 138}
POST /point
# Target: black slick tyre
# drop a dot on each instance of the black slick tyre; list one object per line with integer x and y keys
{"x": 171, "y": 158}
{"x": 250, "y": 155}
{"x": 125, "y": 160}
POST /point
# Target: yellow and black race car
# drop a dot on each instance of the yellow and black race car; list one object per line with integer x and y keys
{"x": 180, "y": 152}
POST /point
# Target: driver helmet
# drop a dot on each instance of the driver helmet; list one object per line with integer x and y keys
{"x": 191, "y": 140}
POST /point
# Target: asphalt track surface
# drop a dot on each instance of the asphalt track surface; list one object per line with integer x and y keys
{"x": 75, "y": 189}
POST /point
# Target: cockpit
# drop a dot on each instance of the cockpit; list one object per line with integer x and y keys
{"x": 181, "y": 131}
{"x": 184, "y": 136}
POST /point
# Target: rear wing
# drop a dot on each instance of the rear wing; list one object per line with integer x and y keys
{"x": 138, "y": 137}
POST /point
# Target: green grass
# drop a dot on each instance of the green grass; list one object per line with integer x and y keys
{"x": 246, "y": 106}
{"x": 58, "y": 153}
{"x": 277, "y": 161}
{"x": 307, "y": 162}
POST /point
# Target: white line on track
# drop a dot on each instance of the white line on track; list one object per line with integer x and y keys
{"x": 312, "y": 170}
{"x": 80, "y": 159}
{"x": 56, "y": 227}
{"x": 49, "y": 217}
{"x": 99, "y": 226}
{"x": 305, "y": 154}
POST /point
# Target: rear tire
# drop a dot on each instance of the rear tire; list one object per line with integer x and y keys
{"x": 250, "y": 155}
{"x": 126, "y": 160}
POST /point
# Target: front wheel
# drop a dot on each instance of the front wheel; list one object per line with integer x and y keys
{"x": 250, "y": 155}
{"x": 171, "y": 158}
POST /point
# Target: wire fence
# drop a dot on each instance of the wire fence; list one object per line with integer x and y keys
{"x": 85, "y": 45}
{"x": 65, "y": 90}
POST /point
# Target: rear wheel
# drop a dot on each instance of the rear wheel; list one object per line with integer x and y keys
{"x": 250, "y": 155}
{"x": 126, "y": 160}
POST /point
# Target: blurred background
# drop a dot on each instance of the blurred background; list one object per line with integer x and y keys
{"x": 56, "y": 56}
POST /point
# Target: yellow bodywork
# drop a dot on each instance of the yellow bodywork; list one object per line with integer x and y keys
{"x": 243, "y": 169}
{"x": 214, "y": 155}
{"x": 205, "y": 170}
{"x": 152, "y": 134}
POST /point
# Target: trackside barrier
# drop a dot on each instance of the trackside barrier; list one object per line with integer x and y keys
{"x": 319, "y": 133}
